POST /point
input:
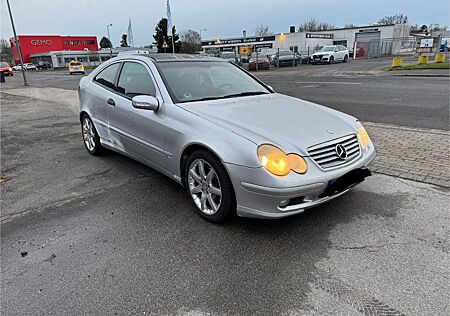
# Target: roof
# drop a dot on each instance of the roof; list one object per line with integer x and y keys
{"x": 160, "y": 57}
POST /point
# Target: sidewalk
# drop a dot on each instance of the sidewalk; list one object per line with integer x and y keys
{"x": 410, "y": 153}
{"x": 415, "y": 154}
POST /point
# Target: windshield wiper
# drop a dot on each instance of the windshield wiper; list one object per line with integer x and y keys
{"x": 229, "y": 96}
{"x": 244, "y": 94}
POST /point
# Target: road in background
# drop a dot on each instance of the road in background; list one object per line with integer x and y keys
{"x": 406, "y": 101}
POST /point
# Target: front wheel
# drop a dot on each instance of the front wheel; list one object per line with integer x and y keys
{"x": 209, "y": 187}
{"x": 90, "y": 136}
{"x": 331, "y": 59}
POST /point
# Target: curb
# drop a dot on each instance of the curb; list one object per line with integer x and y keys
{"x": 420, "y": 75}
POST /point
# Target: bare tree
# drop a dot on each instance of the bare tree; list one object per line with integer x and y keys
{"x": 6, "y": 51}
{"x": 312, "y": 25}
{"x": 435, "y": 27}
{"x": 399, "y": 18}
{"x": 262, "y": 30}
{"x": 191, "y": 42}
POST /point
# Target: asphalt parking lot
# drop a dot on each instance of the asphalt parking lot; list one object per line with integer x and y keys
{"x": 85, "y": 235}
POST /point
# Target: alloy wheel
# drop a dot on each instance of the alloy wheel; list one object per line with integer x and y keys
{"x": 204, "y": 187}
{"x": 88, "y": 134}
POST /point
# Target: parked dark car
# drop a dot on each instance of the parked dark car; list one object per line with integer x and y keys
{"x": 286, "y": 58}
{"x": 261, "y": 60}
{"x": 304, "y": 56}
{"x": 231, "y": 57}
{"x": 44, "y": 65}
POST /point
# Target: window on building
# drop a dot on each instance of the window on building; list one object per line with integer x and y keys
{"x": 108, "y": 75}
{"x": 135, "y": 80}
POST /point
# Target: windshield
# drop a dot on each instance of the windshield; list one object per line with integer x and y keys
{"x": 197, "y": 81}
{"x": 227, "y": 55}
{"x": 327, "y": 49}
{"x": 286, "y": 53}
{"x": 3, "y": 65}
{"x": 260, "y": 55}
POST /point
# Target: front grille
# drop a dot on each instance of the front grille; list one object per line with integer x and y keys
{"x": 317, "y": 57}
{"x": 325, "y": 154}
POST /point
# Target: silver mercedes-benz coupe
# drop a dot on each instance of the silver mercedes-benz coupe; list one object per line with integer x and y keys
{"x": 236, "y": 145}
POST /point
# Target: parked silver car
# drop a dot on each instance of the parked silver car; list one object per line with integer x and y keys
{"x": 236, "y": 145}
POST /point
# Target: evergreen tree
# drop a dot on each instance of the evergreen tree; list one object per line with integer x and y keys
{"x": 123, "y": 41}
{"x": 105, "y": 43}
{"x": 161, "y": 36}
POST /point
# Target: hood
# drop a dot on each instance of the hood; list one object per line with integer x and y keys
{"x": 322, "y": 53}
{"x": 286, "y": 57}
{"x": 289, "y": 123}
{"x": 260, "y": 60}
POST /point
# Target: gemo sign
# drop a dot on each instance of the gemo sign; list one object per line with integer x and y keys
{"x": 41, "y": 42}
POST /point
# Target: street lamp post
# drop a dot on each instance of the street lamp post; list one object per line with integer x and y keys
{"x": 19, "y": 50}
{"x": 202, "y": 30}
{"x": 109, "y": 37}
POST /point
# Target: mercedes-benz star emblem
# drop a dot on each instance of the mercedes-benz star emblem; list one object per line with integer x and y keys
{"x": 341, "y": 152}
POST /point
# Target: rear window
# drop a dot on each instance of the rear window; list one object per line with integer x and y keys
{"x": 75, "y": 63}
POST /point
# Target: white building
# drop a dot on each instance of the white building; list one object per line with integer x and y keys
{"x": 372, "y": 40}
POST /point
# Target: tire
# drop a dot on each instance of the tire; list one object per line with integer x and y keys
{"x": 203, "y": 187}
{"x": 345, "y": 59}
{"x": 91, "y": 139}
{"x": 331, "y": 60}
{"x": 71, "y": 73}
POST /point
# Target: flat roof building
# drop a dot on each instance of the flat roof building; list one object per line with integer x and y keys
{"x": 371, "y": 41}
{"x": 34, "y": 44}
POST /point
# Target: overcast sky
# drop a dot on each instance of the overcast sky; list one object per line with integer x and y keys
{"x": 224, "y": 18}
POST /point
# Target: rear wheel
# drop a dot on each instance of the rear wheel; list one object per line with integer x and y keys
{"x": 90, "y": 136}
{"x": 209, "y": 187}
{"x": 345, "y": 59}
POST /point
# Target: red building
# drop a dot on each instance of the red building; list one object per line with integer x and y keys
{"x": 33, "y": 44}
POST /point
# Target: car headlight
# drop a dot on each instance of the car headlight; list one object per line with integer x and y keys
{"x": 279, "y": 163}
{"x": 363, "y": 137}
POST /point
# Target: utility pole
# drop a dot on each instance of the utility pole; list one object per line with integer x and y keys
{"x": 109, "y": 37}
{"x": 19, "y": 50}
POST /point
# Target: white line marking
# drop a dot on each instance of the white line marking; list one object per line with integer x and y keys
{"x": 326, "y": 82}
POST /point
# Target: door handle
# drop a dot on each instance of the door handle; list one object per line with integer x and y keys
{"x": 111, "y": 102}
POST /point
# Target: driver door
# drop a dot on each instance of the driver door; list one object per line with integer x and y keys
{"x": 137, "y": 131}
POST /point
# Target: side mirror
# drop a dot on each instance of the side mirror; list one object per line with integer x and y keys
{"x": 145, "y": 102}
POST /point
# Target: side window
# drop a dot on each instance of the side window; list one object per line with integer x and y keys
{"x": 135, "y": 80}
{"x": 108, "y": 75}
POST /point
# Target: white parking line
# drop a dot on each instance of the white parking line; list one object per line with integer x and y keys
{"x": 326, "y": 82}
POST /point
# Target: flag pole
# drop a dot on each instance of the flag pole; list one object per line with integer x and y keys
{"x": 169, "y": 18}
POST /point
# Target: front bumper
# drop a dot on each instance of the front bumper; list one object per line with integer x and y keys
{"x": 320, "y": 58}
{"x": 306, "y": 191}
